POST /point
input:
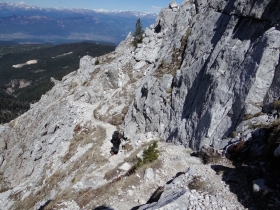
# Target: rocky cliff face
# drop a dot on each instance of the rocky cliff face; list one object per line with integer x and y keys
{"x": 217, "y": 61}
{"x": 202, "y": 68}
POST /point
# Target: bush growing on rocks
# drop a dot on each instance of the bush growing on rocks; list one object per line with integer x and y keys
{"x": 149, "y": 155}
{"x": 208, "y": 154}
{"x": 96, "y": 62}
{"x": 196, "y": 184}
{"x": 235, "y": 149}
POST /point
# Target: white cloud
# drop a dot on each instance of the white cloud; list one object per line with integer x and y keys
{"x": 155, "y": 9}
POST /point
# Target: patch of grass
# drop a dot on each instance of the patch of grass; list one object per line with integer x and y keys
{"x": 276, "y": 104}
{"x": 116, "y": 119}
{"x": 235, "y": 150}
{"x": 258, "y": 114}
{"x": 3, "y": 184}
{"x": 175, "y": 64}
{"x": 197, "y": 184}
{"x": 94, "y": 73}
{"x": 234, "y": 134}
{"x": 206, "y": 158}
{"x": 111, "y": 174}
{"x": 107, "y": 59}
{"x": 128, "y": 147}
{"x": 125, "y": 110}
{"x": 75, "y": 170}
{"x": 77, "y": 128}
{"x": 95, "y": 197}
{"x": 95, "y": 112}
{"x": 169, "y": 90}
{"x": 248, "y": 117}
{"x": 83, "y": 136}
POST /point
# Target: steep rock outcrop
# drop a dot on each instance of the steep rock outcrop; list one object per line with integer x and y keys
{"x": 217, "y": 63}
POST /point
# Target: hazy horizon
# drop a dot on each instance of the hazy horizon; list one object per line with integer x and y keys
{"x": 132, "y": 5}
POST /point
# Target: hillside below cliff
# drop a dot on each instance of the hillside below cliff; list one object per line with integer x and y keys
{"x": 205, "y": 78}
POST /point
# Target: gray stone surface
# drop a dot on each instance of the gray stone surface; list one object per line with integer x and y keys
{"x": 3, "y": 145}
{"x": 125, "y": 167}
{"x": 259, "y": 185}
{"x": 149, "y": 174}
{"x": 225, "y": 73}
{"x": 277, "y": 151}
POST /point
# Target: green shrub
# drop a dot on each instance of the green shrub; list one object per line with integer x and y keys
{"x": 138, "y": 34}
{"x": 96, "y": 62}
{"x": 149, "y": 155}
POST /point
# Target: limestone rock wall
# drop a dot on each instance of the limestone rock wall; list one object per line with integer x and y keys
{"x": 216, "y": 63}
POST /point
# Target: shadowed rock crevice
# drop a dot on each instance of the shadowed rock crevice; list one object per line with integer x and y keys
{"x": 158, "y": 28}
{"x": 250, "y": 29}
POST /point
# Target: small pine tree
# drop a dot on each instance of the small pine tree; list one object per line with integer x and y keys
{"x": 138, "y": 34}
{"x": 149, "y": 155}
{"x": 96, "y": 62}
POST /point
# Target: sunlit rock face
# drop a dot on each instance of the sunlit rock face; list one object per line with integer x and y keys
{"x": 214, "y": 62}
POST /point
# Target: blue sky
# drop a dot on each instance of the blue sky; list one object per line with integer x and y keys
{"x": 135, "y": 5}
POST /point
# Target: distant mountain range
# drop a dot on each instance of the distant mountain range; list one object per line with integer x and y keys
{"x": 27, "y": 23}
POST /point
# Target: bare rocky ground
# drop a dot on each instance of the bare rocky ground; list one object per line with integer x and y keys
{"x": 176, "y": 171}
{"x": 204, "y": 189}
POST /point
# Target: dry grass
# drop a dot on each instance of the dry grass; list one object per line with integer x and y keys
{"x": 95, "y": 112}
{"x": 175, "y": 64}
{"x": 206, "y": 158}
{"x": 77, "y": 128}
{"x": 30, "y": 201}
{"x": 248, "y": 117}
{"x": 99, "y": 196}
{"x": 95, "y": 197}
{"x": 235, "y": 150}
{"x": 234, "y": 134}
{"x": 94, "y": 73}
{"x": 3, "y": 184}
{"x": 92, "y": 156}
{"x": 169, "y": 90}
{"x": 114, "y": 173}
{"x": 125, "y": 110}
{"x": 276, "y": 104}
{"x": 107, "y": 59}
{"x": 72, "y": 85}
{"x": 87, "y": 196}
{"x": 128, "y": 147}
{"x": 114, "y": 119}
{"x": 258, "y": 114}
{"x": 197, "y": 184}
{"x": 83, "y": 136}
